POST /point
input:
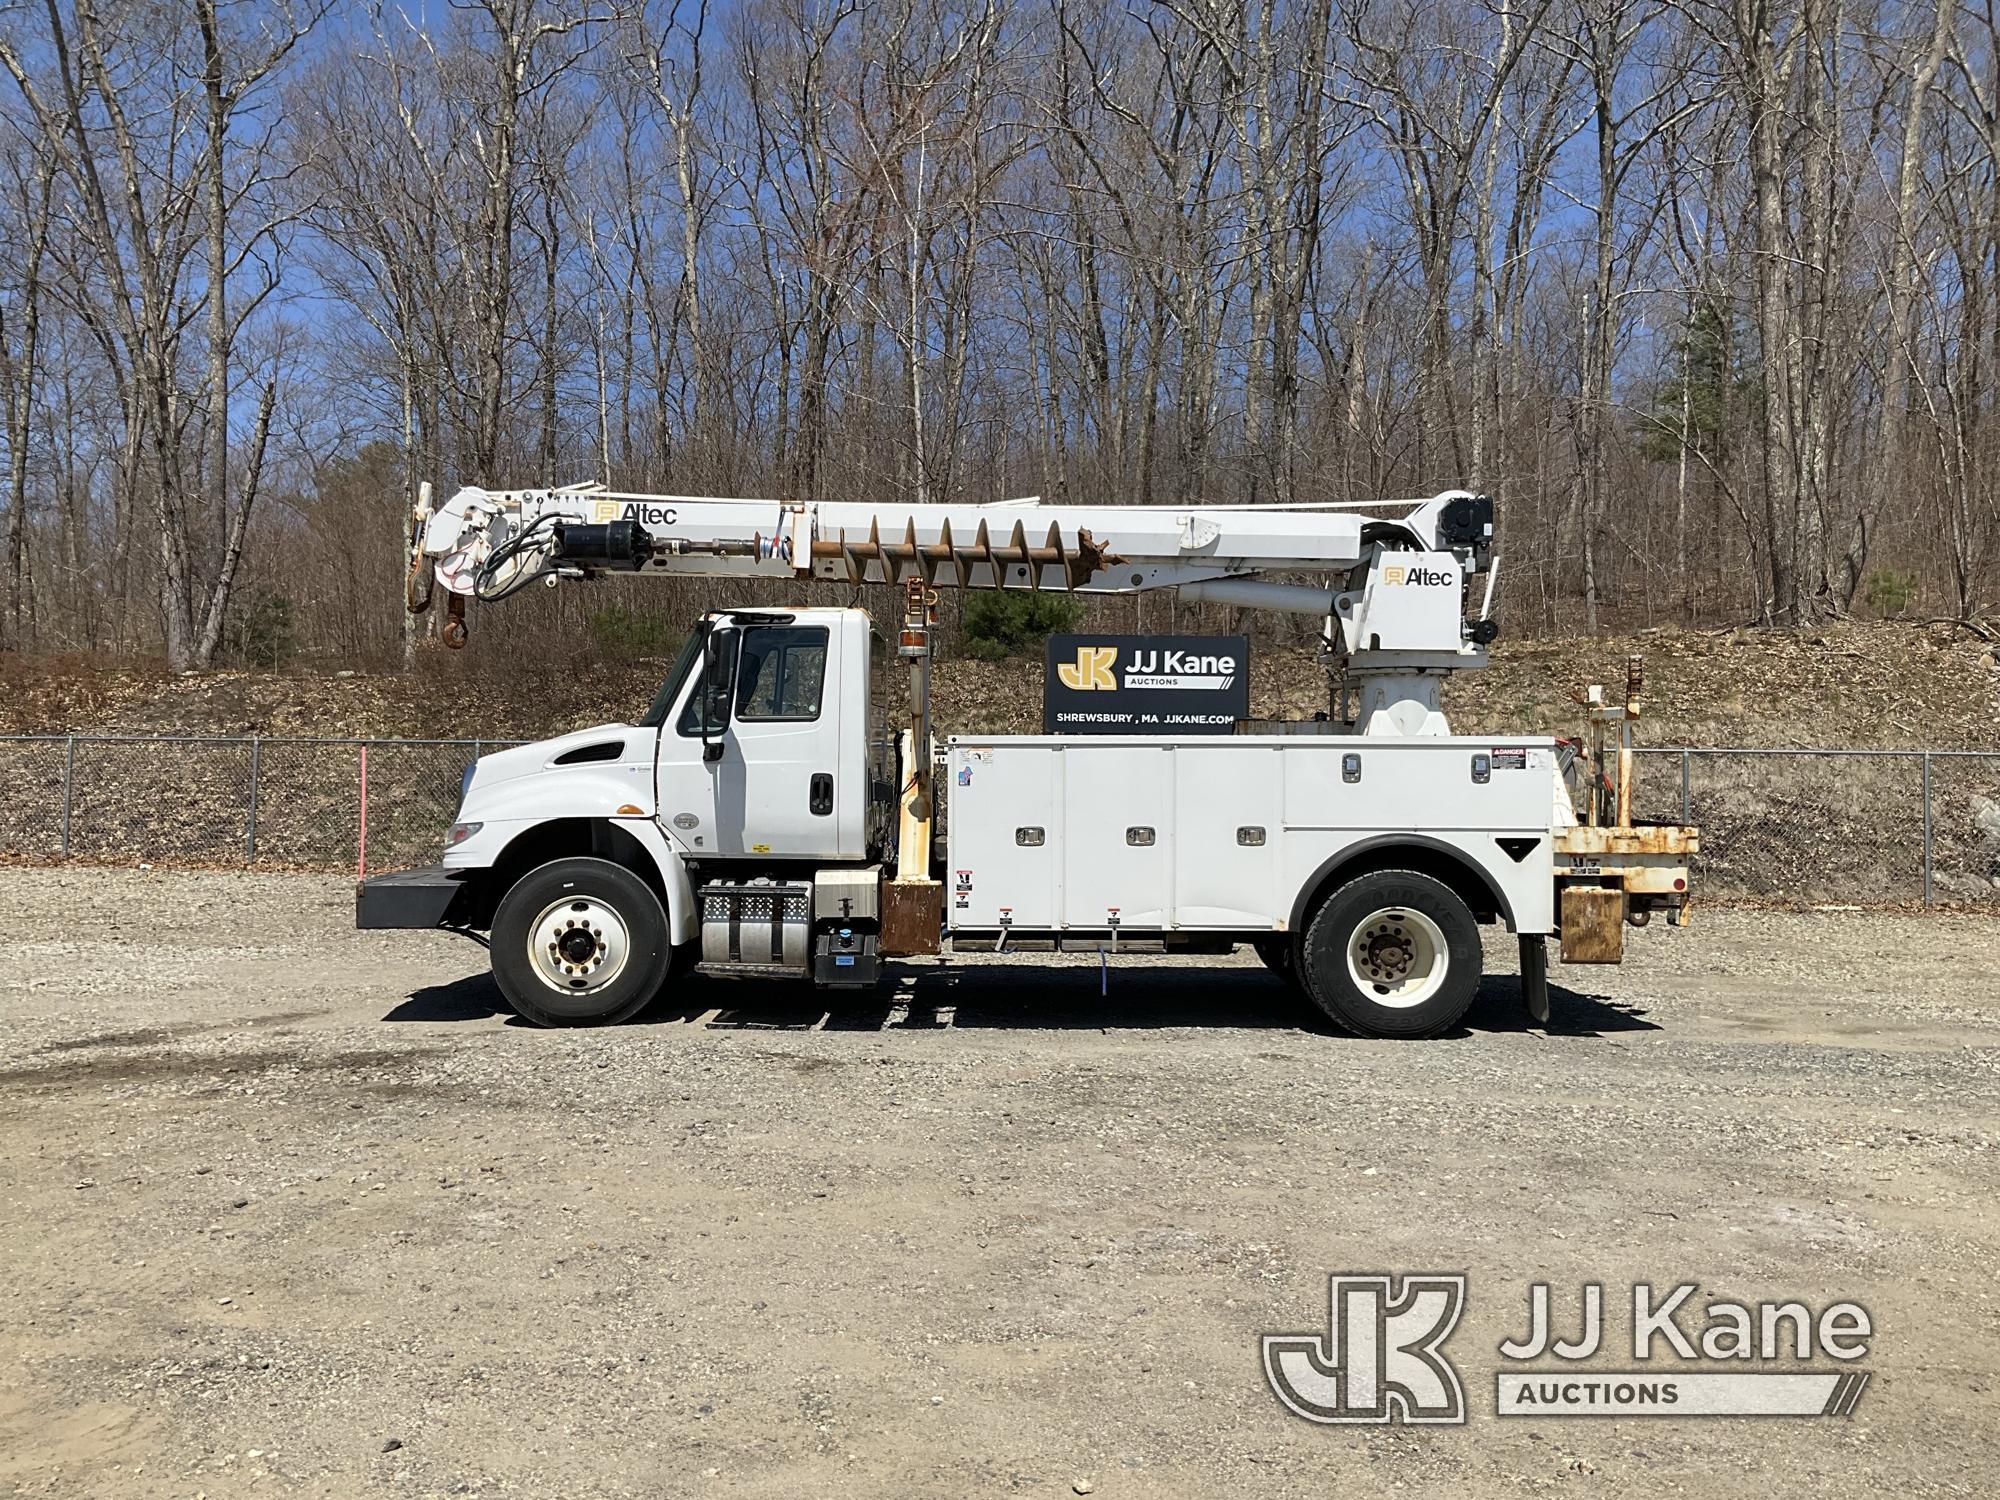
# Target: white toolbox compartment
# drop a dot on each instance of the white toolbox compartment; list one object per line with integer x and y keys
{"x": 1217, "y": 834}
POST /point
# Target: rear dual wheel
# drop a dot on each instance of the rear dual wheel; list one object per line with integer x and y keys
{"x": 1392, "y": 954}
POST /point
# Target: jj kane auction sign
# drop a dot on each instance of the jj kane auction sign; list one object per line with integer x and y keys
{"x": 1146, "y": 684}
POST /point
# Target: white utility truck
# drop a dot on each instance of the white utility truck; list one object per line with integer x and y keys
{"x": 763, "y": 817}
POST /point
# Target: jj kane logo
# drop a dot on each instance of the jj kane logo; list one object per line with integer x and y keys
{"x": 1093, "y": 671}
{"x": 1145, "y": 684}
{"x": 1382, "y": 1357}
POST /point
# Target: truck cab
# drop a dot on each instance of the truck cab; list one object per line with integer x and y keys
{"x": 763, "y": 735}
{"x": 741, "y": 813}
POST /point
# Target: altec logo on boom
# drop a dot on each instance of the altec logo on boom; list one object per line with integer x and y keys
{"x": 1382, "y": 1357}
{"x": 634, "y": 510}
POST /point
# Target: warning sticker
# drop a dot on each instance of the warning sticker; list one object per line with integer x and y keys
{"x": 1510, "y": 758}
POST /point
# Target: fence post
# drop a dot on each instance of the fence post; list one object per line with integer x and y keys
{"x": 250, "y": 829}
{"x": 69, "y": 791}
{"x": 361, "y": 853}
{"x": 1927, "y": 828}
{"x": 1687, "y": 806}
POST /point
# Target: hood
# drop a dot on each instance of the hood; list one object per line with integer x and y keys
{"x": 541, "y": 755}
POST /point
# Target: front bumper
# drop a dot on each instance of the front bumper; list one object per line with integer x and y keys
{"x": 429, "y": 897}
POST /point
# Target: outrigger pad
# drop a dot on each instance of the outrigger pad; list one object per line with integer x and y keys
{"x": 1593, "y": 925}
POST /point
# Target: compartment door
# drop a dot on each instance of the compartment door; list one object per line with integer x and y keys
{"x": 1003, "y": 837}
{"x": 1228, "y": 803}
{"x": 1118, "y": 839}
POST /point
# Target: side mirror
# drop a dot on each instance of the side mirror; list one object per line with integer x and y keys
{"x": 717, "y": 688}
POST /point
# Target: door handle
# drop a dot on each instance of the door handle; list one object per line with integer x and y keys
{"x": 820, "y": 799}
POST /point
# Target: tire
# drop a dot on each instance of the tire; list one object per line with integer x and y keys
{"x": 1392, "y": 954}
{"x": 580, "y": 942}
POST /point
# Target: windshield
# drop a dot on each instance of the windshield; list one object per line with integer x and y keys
{"x": 686, "y": 662}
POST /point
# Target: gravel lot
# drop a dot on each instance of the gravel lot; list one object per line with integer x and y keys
{"x": 294, "y": 1210}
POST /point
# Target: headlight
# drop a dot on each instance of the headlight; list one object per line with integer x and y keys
{"x": 460, "y": 832}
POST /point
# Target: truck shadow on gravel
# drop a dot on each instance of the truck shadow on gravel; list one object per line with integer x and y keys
{"x": 976, "y": 996}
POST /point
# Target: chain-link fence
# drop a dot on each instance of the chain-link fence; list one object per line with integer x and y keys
{"x": 1867, "y": 826}
{"x": 274, "y": 803}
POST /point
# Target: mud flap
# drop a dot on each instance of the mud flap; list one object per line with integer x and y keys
{"x": 1535, "y": 977}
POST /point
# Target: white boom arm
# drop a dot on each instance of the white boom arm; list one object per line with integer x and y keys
{"x": 1398, "y": 624}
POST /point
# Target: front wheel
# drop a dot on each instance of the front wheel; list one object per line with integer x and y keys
{"x": 1392, "y": 954}
{"x": 580, "y": 942}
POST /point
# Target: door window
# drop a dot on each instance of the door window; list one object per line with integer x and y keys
{"x": 781, "y": 672}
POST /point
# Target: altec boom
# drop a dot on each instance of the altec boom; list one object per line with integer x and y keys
{"x": 747, "y": 822}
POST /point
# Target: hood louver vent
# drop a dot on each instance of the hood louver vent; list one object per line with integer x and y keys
{"x": 583, "y": 755}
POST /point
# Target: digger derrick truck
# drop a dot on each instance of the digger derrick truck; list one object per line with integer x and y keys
{"x": 762, "y": 818}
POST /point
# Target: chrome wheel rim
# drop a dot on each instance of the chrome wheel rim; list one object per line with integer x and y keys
{"x": 578, "y": 945}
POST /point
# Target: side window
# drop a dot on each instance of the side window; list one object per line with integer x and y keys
{"x": 781, "y": 672}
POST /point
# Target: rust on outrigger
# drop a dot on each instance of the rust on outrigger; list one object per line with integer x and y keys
{"x": 1611, "y": 872}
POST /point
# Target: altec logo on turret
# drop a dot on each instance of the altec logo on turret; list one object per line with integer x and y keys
{"x": 1419, "y": 576}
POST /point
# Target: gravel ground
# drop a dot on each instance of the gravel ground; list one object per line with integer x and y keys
{"x": 293, "y": 1210}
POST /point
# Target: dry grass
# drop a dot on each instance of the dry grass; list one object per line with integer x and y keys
{"x": 1790, "y": 828}
{"x": 1872, "y": 685}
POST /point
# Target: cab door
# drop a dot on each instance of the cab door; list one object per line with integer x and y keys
{"x": 773, "y": 713}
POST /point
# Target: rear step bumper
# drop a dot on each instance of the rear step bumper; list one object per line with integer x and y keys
{"x": 411, "y": 898}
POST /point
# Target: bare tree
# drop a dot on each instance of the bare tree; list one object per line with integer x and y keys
{"x": 1702, "y": 289}
{"x": 30, "y": 193}
{"x": 164, "y": 231}
{"x": 1431, "y": 82}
